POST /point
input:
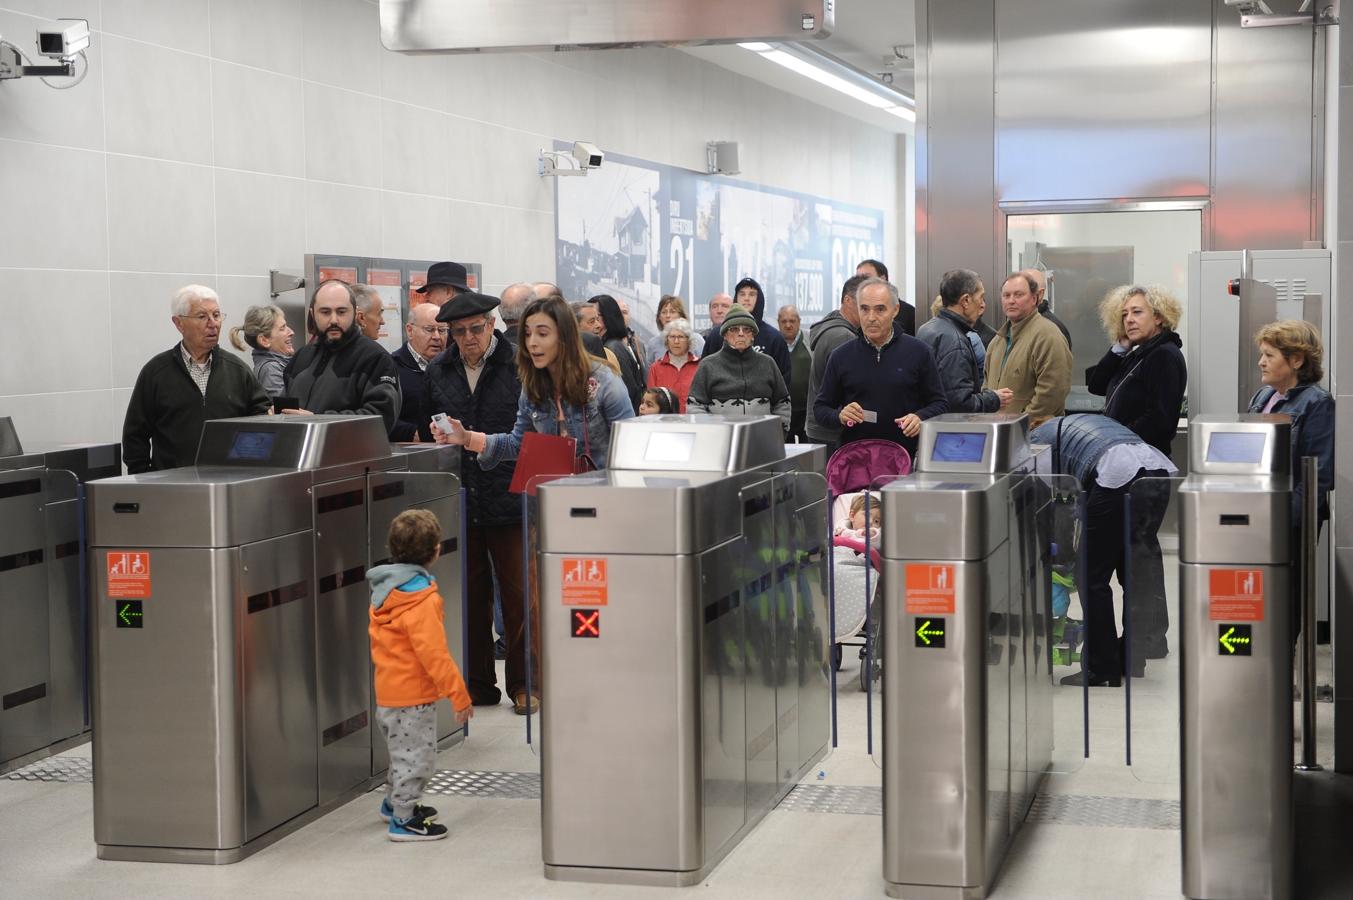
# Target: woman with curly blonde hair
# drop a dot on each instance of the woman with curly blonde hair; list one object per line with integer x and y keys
{"x": 1142, "y": 377}
{"x": 1143, "y": 374}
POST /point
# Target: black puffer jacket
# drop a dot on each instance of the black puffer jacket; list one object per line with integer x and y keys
{"x": 353, "y": 377}
{"x": 492, "y": 409}
{"x": 1144, "y": 387}
{"x": 415, "y": 412}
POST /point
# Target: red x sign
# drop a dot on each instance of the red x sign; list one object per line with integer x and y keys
{"x": 586, "y": 623}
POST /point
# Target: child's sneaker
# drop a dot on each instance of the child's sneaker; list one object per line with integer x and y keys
{"x": 415, "y": 828}
{"x": 387, "y": 811}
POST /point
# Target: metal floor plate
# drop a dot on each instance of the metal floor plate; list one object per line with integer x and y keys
{"x": 63, "y": 769}
{"x": 1105, "y": 812}
{"x": 858, "y": 800}
{"x": 500, "y": 785}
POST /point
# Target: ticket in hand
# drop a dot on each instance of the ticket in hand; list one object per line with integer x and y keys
{"x": 870, "y": 416}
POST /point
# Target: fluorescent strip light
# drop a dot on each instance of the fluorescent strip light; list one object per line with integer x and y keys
{"x": 825, "y": 78}
{"x": 830, "y": 72}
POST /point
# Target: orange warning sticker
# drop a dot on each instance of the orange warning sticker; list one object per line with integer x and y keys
{"x": 929, "y": 589}
{"x": 584, "y": 581}
{"x": 1235, "y": 595}
{"x": 128, "y": 574}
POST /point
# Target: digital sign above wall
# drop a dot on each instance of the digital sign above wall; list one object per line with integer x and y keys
{"x": 435, "y": 26}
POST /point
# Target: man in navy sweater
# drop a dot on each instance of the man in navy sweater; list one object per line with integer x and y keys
{"x": 882, "y": 384}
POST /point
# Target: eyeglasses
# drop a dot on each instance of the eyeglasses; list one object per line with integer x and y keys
{"x": 475, "y": 330}
{"x": 434, "y": 329}
{"x": 218, "y": 317}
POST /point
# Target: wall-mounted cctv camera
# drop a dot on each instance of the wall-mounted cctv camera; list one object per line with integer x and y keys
{"x": 64, "y": 38}
{"x": 584, "y": 157}
{"x": 589, "y": 156}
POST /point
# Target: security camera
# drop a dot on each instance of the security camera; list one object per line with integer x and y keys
{"x": 64, "y": 38}
{"x": 589, "y": 156}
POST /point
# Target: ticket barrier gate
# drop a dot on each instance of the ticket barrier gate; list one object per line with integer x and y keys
{"x": 232, "y": 692}
{"x": 967, "y": 674}
{"x": 1236, "y": 675}
{"x": 44, "y": 644}
{"x": 685, "y": 645}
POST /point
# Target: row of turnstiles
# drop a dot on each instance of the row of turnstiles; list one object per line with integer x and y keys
{"x": 231, "y": 697}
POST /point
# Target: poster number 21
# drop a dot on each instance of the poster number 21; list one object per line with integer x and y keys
{"x": 681, "y": 257}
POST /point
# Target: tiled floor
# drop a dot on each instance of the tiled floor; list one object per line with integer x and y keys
{"x": 47, "y": 849}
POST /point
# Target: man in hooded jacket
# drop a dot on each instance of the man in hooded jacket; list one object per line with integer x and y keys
{"x": 749, "y": 296}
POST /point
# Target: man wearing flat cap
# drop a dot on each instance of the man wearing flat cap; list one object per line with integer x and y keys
{"x": 446, "y": 280}
{"x": 476, "y": 381}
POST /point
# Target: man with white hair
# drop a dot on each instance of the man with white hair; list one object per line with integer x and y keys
{"x": 425, "y": 339}
{"x": 513, "y": 300}
{"x": 370, "y": 310}
{"x": 183, "y": 387}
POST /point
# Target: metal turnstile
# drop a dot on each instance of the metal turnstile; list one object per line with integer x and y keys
{"x": 232, "y": 664}
{"x": 967, "y": 689}
{"x": 44, "y": 644}
{"x": 1236, "y": 675}
{"x": 685, "y": 645}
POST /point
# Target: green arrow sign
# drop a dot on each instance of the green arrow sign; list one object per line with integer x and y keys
{"x": 930, "y": 633}
{"x": 1235, "y": 639}
{"x": 129, "y": 614}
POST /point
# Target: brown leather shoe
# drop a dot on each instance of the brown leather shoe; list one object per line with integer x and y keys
{"x": 524, "y": 704}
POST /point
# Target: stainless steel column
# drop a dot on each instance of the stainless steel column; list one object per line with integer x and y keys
{"x": 1236, "y": 680}
{"x": 947, "y": 684}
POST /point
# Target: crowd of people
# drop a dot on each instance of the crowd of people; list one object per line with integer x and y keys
{"x": 863, "y": 371}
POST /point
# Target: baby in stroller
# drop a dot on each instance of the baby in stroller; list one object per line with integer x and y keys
{"x": 854, "y": 526}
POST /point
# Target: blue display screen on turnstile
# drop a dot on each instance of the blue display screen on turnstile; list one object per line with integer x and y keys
{"x": 1236, "y": 447}
{"x": 959, "y": 447}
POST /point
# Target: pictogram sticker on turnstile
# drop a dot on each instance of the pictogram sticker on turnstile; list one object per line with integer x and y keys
{"x": 1235, "y": 595}
{"x": 584, "y": 580}
{"x": 929, "y": 589}
{"x": 128, "y": 575}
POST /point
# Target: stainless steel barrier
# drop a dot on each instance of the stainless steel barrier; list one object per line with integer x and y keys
{"x": 1236, "y": 676}
{"x": 685, "y": 645}
{"x": 233, "y": 699}
{"x": 967, "y": 669}
{"x": 44, "y": 644}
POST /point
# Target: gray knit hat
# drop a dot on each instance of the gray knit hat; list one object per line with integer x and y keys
{"x": 737, "y": 315}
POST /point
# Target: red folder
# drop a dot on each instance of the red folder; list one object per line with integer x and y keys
{"x": 542, "y": 458}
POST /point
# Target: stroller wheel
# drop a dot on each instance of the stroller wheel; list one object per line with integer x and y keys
{"x": 870, "y": 671}
{"x": 836, "y": 657}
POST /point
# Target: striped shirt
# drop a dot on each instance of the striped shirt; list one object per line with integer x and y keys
{"x": 199, "y": 374}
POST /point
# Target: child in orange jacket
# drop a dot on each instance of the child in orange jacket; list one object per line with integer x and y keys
{"x": 413, "y": 669}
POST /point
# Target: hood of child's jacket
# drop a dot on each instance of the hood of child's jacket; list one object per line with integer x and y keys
{"x": 386, "y": 580}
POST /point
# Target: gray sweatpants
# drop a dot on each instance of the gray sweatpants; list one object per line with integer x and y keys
{"x": 411, "y": 737}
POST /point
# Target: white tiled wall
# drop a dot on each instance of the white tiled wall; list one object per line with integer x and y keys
{"x": 213, "y": 140}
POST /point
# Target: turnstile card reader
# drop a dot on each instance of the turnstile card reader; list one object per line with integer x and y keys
{"x": 973, "y": 442}
{"x": 1236, "y": 632}
{"x": 232, "y": 687}
{"x": 684, "y": 645}
{"x": 967, "y": 692}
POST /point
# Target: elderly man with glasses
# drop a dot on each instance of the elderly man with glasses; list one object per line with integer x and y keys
{"x": 426, "y": 339}
{"x": 183, "y": 387}
{"x": 476, "y": 381}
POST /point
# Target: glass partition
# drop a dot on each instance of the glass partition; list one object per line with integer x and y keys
{"x": 1086, "y": 254}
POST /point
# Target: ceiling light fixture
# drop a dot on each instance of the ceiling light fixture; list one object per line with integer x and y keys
{"x": 840, "y": 76}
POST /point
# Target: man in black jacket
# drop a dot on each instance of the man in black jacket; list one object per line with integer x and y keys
{"x": 342, "y": 371}
{"x": 180, "y": 389}
{"x": 882, "y": 384}
{"x": 946, "y": 334}
{"x": 476, "y": 381}
{"x": 426, "y": 338}
{"x": 749, "y": 296}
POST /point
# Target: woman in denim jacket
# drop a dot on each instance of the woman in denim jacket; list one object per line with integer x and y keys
{"x": 1290, "y": 365}
{"x": 564, "y": 391}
